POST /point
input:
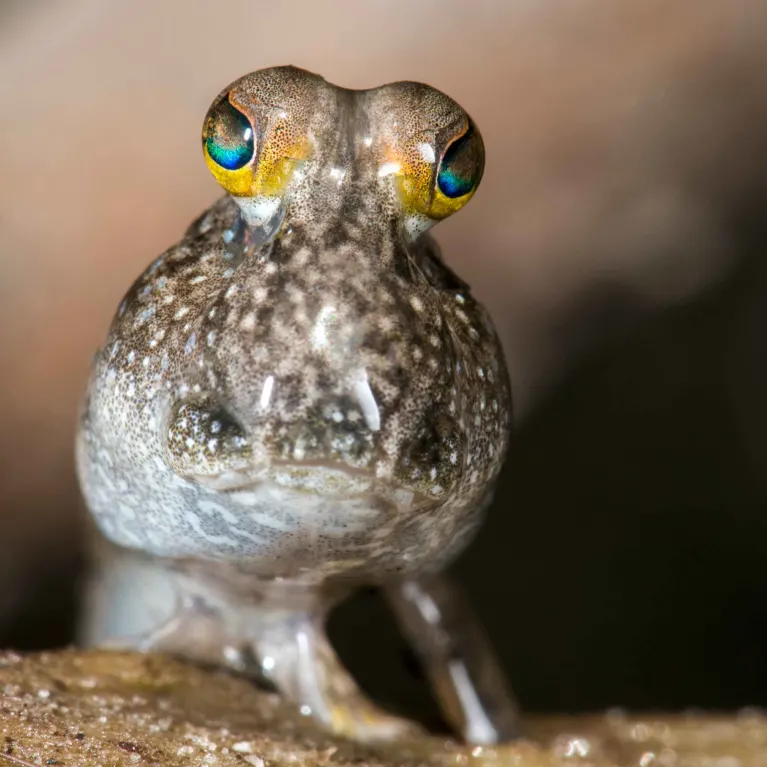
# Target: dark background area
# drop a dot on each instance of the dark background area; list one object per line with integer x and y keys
{"x": 619, "y": 241}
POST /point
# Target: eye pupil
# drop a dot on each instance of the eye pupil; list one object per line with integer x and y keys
{"x": 228, "y": 136}
{"x": 461, "y": 166}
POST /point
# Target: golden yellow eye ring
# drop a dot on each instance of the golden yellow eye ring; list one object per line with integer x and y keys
{"x": 236, "y": 161}
{"x": 439, "y": 188}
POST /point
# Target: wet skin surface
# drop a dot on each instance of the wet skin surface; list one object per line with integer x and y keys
{"x": 300, "y": 395}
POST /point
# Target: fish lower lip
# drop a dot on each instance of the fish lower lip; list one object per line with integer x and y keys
{"x": 315, "y": 478}
{"x": 331, "y": 467}
{"x": 321, "y": 478}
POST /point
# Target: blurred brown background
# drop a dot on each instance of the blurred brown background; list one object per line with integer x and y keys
{"x": 618, "y": 239}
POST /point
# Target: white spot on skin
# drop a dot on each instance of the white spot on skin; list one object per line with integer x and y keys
{"x": 257, "y": 211}
{"x": 248, "y": 322}
{"x": 191, "y": 344}
{"x": 416, "y": 303}
{"x": 427, "y": 152}
{"x": 365, "y": 399}
{"x": 266, "y": 392}
{"x": 301, "y": 258}
{"x": 319, "y": 336}
{"x": 416, "y": 224}
{"x": 389, "y": 169}
{"x": 180, "y": 312}
{"x": 145, "y": 315}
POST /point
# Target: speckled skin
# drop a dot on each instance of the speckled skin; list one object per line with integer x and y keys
{"x": 333, "y": 400}
{"x": 300, "y": 388}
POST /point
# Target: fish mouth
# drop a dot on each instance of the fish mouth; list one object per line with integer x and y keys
{"x": 332, "y": 467}
{"x": 324, "y": 479}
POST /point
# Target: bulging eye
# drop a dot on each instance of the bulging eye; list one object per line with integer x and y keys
{"x": 434, "y": 154}
{"x": 252, "y": 145}
{"x": 228, "y": 136}
{"x": 462, "y": 164}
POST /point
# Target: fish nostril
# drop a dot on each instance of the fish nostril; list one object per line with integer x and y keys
{"x": 203, "y": 438}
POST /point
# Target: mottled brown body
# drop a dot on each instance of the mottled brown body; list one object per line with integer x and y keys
{"x": 300, "y": 388}
{"x": 330, "y": 399}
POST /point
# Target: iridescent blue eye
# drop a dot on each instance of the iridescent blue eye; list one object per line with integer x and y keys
{"x": 228, "y": 136}
{"x": 462, "y": 164}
